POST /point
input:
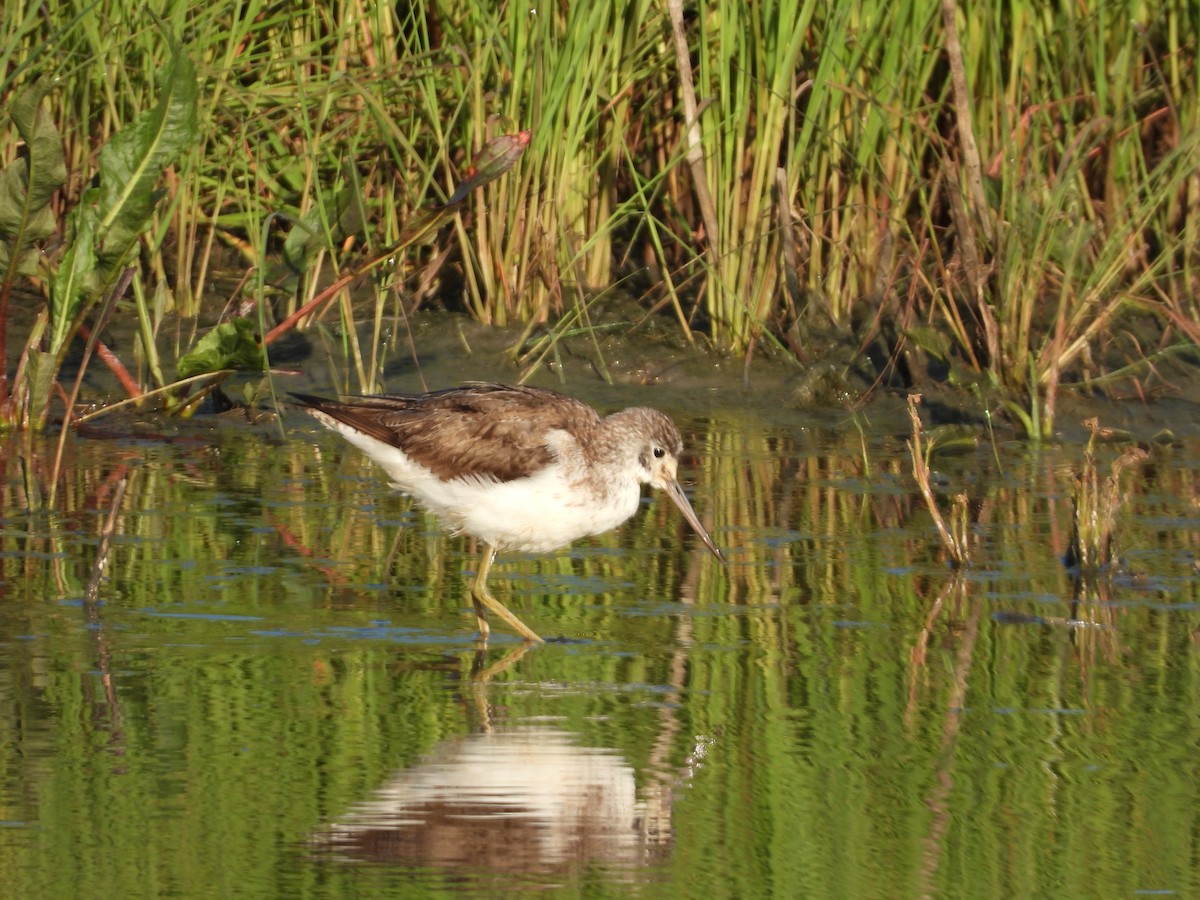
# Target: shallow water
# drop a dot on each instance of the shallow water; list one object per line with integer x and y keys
{"x": 276, "y": 690}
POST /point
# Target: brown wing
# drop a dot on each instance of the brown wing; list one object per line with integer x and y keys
{"x": 484, "y": 430}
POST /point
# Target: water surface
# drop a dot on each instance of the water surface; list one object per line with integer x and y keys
{"x": 276, "y": 689}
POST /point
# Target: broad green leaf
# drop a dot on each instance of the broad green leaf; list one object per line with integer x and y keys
{"x": 36, "y": 127}
{"x": 42, "y": 368}
{"x": 231, "y": 345}
{"x": 17, "y": 235}
{"x": 133, "y": 161}
{"x": 110, "y": 218}
{"x": 27, "y": 185}
{"x": 76, "y": 271}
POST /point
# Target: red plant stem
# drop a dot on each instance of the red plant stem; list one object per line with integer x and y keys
{"x": 5, "y": 290}
{"x": 132, "y": 388}
{"x": 287, "y": 324}
{"x": 497, "y": 157}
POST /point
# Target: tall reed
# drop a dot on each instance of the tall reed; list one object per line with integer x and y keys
{"x": 1018, "y": 178}
{"x": 1092, "y": 163}
{"x": 820, "y": 113}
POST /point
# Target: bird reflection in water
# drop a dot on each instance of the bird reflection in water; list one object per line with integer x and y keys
{"x": 525, "y": 800}
{"x": 511, "y": 800}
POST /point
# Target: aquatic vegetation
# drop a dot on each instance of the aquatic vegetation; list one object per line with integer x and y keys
{"x": 954, "y": 533}
{"x": 1093, "y": 549}
{"x": 102, "y": 230}
{"x": 1008, "y": 193}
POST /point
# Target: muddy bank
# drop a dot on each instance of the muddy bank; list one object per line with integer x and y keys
{"x": 628, "y": 357}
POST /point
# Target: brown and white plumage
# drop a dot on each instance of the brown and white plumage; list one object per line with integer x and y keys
{"x": 520, "y": 468}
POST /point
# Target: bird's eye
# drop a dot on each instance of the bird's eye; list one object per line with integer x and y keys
{"x": 659, "y": 452}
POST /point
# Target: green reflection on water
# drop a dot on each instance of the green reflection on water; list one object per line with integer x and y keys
{"x": 831, "y": 717}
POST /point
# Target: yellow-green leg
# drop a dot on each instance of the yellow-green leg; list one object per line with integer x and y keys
{"x": 482, "y": 598}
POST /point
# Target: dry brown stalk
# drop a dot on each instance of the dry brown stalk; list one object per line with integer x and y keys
{"x": 954, "y": 537}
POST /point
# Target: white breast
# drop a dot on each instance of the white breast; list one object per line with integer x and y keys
{"x": 543, "y": 512}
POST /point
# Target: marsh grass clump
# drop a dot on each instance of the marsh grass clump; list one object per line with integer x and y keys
{"x": 1096, "y": 506}
{"x": 1013, "y": 186}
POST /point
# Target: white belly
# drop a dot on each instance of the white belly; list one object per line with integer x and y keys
{"x": 534, "y": 515}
